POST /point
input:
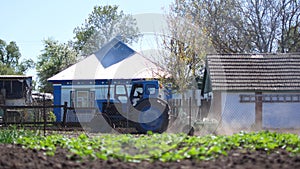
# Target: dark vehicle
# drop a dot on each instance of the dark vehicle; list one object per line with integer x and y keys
{"x": 138, "y": 107}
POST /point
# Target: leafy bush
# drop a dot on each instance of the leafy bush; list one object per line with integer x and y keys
{"x": 51, "y": 117}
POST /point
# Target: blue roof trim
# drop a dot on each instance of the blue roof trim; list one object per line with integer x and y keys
{"x": 94, "y": 82}
{"x": 113, "y": 52}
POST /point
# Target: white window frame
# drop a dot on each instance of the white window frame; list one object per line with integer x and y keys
{"x": 84, "y": 101}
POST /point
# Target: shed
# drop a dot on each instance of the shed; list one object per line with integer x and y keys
{"x": 86, "y": 81}
{"x": 261, "y": 90}
{"x": 15, "y": 90}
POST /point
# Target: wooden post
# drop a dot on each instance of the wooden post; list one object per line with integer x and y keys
{"x": 258, "y": 110}
{"x": 190, "y": 113}
{"x": 65, "y": 113}
{"x": 44, "y": 114}
{"x": 4, "y": 117}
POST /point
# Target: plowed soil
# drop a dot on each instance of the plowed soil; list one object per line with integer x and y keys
{"x": 13, "y": 156}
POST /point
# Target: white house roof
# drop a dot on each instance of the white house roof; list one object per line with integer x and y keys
{"x": 114, "y": 61}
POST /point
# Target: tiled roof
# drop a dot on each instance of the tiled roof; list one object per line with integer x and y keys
{"x": 261, "y": 72}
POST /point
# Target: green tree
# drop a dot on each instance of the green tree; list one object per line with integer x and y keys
{"x": 25, "y": 65}
{"x": 104, "y": 23}
{"x": 55, "y": 58}
{"x": 10, "y": 59}
{"x": 10, "y": 53}
{"x": 6, "y": 70}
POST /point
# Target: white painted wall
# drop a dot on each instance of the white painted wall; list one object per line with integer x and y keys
{"x": 242, "y": 115}
{"x": 65, "y": 97}
{"x": 281, "y": 115}
{"x": 236, "y": 114}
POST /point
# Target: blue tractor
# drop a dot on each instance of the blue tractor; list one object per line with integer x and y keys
{"x": 139, "y": 106}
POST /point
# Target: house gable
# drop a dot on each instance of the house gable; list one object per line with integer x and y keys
{"x": 114, "y": 61}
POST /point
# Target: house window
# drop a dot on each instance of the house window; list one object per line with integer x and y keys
{"x": 103, "y": 90}
{"x": 82, "y": 98}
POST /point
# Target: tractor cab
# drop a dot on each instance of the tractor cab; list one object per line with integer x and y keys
{"x": 143, "y": 90}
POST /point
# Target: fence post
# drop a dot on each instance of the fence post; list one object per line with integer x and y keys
{"x": 44, "y": 114}
{"x": 4, "y": 118}
{"x": 190, "y": 112}
{"x": 65, "y": 113}
{"x": 258, "y": 110}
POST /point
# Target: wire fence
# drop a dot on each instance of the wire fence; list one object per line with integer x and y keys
{"x": 191, "y": 115}
{"x": 38, "y": 116}
{"x": 184, "y": 114}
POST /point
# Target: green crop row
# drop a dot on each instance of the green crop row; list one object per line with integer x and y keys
{"x": 164, "y": 147}
{"x": 11, "y": 134}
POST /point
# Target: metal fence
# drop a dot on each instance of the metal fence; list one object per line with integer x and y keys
{"x": 232, "y": 114}
{"x": 38, "y": 116}
{"x": 191, "y": 115}
{"x": 184, "y": 114}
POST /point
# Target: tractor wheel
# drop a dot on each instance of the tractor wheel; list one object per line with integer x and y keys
{"x": 153, "y": 116}
{"x": 100, "y": 123}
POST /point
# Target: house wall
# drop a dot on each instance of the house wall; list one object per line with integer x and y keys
{"x": 236, "y": 114}
{"x": 81, "y": 115}
{"x": 281, "y": 115}
{"x": 57, "y": 101}
{"x": 63, "y": 94}
{"x": 274, "y": 115}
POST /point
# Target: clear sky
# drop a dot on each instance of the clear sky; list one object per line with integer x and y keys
{"x": 28, "y": 22}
